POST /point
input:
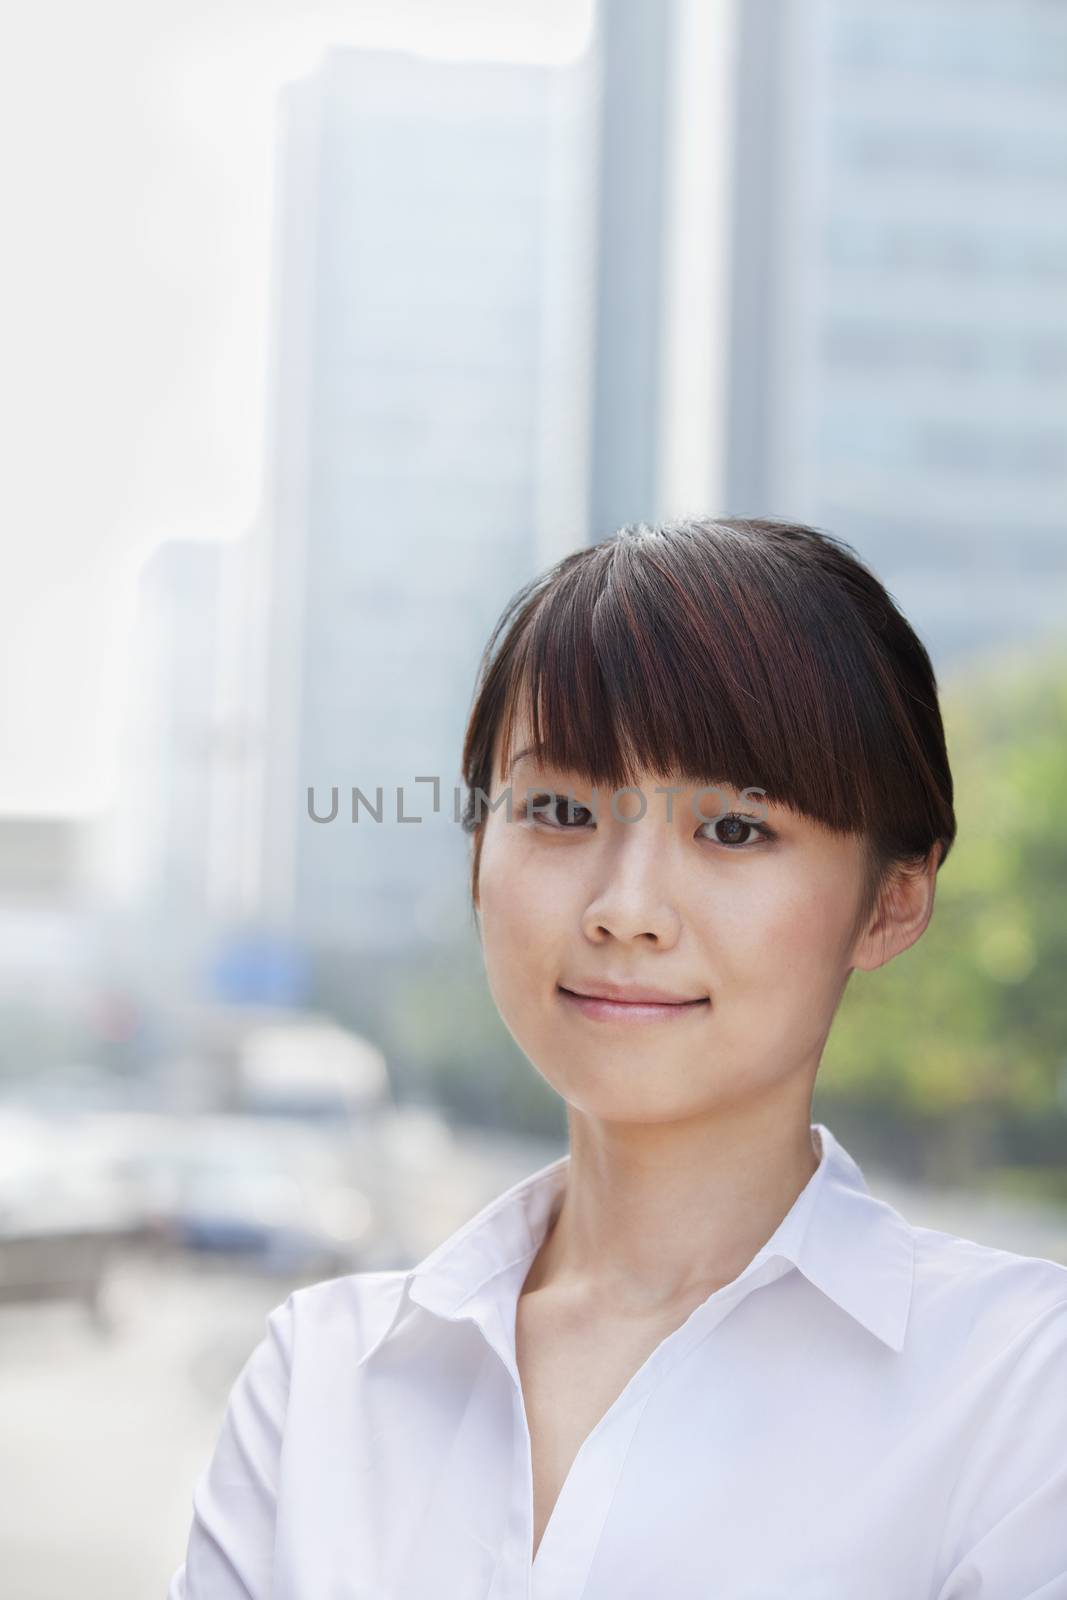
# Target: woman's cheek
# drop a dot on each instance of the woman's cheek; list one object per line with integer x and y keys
{"x": 529, "y": 889}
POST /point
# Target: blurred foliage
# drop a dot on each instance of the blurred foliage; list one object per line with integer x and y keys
{"x": 964, "y": 1036}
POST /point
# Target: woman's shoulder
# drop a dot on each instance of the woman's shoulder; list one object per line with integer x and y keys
{"x": 337, "y": 1296}
{"x": 343, "y": 1314}
{"x": 986, "y": 1294}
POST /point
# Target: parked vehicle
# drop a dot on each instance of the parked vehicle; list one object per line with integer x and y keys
{"x": 280, "y": 1193}
{"x": 63, "y": 1215}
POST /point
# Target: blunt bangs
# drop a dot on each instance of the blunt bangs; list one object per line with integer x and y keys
{"x": 758, "y": 654}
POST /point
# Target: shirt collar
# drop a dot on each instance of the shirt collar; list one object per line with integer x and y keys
{"x": 856, "y": 1249}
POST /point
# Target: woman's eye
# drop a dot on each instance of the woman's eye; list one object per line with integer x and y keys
{"x": 557, "y": 812}
{"x": 731, "y": 831}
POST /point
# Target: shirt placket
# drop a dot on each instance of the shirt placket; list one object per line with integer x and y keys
{"x": 573, "y": 1532}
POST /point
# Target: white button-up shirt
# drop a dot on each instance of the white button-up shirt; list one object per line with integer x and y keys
{"x": 869, "y": 1411}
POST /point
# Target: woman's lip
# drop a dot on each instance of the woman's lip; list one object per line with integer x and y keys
{"x": 599, "y": 1010}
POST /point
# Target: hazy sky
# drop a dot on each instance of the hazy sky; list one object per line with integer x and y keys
{"x": 136, "y": 144}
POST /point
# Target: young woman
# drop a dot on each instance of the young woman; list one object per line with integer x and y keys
{"x": 695, "y": 1356}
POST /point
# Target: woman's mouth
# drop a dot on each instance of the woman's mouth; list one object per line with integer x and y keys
{"x": 599, "y": 1008}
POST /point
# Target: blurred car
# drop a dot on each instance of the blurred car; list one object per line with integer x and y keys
{"x": 281, "y": 1195}
{"x": 64, "y": 1215}
{"x": 53, "y": 1180}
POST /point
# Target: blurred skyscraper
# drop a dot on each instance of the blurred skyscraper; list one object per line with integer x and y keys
{"x": 47, "y": 913}
{"x": 426, "y": 453}
{"x": 794, "y": 259}
{"x": 663, "y": 180}
{"x": 182, "y": 849}
{"x": 634, "y": 39}
{"x": 899, "y": 347}
{"x": 166, "y": 849}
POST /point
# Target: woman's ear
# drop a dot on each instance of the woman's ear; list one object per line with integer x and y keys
{"x": 904, "y": 909}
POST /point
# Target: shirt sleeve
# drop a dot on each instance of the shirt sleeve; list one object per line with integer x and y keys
{"x": 1008, "y": 1530}
{"x": 230, "y": 1551}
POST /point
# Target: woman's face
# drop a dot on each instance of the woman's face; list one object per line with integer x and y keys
{"x": 754, "y": 927}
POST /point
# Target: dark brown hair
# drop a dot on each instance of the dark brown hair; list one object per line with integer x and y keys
{"x": 750, "y": 652}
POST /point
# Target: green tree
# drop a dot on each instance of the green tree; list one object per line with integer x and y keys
{"x": 966, "y": 1032}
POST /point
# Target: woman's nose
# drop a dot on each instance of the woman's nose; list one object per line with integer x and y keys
{"x": 634, "y": 894}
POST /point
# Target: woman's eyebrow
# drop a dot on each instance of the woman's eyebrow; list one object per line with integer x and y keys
{"x": 721, "y": 783}
{"x": 526, "y": 751}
